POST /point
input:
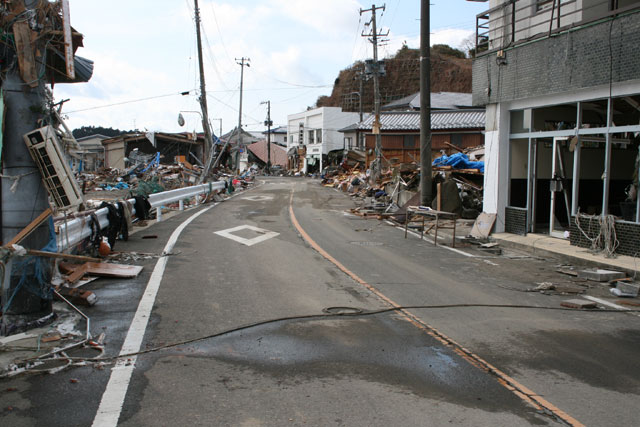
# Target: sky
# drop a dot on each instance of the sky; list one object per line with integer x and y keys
{"x": 145, "y": 56}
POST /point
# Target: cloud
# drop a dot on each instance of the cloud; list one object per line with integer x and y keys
{"x": 453, "y": 37}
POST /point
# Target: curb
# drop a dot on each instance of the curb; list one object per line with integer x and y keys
{"x": 574, "y": 260}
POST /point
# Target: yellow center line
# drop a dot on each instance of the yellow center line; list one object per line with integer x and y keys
{"x": 508, "y": 382}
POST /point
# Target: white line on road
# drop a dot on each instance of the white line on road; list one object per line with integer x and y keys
{"x": 263, "y": 234}
{"x": 441, "y": 246}
{"x": 113, "y": 396}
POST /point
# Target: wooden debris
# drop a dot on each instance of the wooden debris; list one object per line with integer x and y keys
{"x": 100, "y": 269}
{"x": 29, "y": 228}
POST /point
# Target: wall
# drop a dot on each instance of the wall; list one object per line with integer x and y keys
{"x": 569, "y": 61}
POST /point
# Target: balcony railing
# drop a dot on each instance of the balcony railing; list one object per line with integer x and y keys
{"x": 517, "y": 21}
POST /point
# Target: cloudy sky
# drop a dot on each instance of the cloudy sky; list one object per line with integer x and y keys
{"x": 145, "y": 56}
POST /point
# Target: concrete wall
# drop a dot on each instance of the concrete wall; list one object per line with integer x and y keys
{"x": 570, "y": 61}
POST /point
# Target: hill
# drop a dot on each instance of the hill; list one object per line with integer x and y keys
{"x": 450, "y": 72}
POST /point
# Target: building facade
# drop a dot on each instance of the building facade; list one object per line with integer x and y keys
{"x": 313, "y": 134}
{"x": 561, "y": 84}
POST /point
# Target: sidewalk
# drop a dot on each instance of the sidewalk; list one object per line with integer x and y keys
{"x": 540, "y": 244}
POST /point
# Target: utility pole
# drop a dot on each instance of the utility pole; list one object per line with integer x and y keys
{"x": 426, "y": 195}
{"x": 208, "y": 151}
{"x": 244, "y": 62}
{"x": 268, "y": 123}
{"x": 375, "y": 69}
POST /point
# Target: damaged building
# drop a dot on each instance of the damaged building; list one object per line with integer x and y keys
{"x": 561, "y": 84}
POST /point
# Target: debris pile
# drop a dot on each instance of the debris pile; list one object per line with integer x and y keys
{"x": 458, "y": 184}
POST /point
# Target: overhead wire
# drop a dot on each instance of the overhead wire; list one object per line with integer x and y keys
{"x": 335, "y": 312}
{"x": 127, "y": 102}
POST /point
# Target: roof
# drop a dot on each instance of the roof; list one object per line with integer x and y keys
{"x": 439, "y": 101}
{"x": 160, "y": 136}
{"x": 94, "y": 136}
{"x": 232, "y": 137}
{"x": 278, "y": 154}
{"x": 410, "y": 120}
{"x": 279, "y": 129}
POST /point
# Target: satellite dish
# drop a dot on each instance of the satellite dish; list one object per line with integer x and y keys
{"x": 180, "y": 119}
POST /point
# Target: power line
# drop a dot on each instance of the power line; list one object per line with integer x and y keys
{"x": 129, "y": 102}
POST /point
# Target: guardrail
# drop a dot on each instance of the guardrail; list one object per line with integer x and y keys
{"x": 74, "y": 231}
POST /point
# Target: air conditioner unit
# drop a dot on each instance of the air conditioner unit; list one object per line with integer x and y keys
{"x": 58, "y": 179}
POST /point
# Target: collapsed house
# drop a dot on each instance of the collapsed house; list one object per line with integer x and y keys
{"x": 119, "y": 149}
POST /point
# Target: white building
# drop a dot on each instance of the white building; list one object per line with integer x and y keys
{"x": 313, "y": 133}
{"x": 278, "y": 135}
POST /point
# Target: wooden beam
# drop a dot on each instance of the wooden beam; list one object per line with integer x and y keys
{"x": 455, "y": 147}
{"x": 29, "y": 228}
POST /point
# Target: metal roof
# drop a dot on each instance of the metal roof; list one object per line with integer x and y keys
{"x": 439, "y": 100}
{"x": 410, "y": 120}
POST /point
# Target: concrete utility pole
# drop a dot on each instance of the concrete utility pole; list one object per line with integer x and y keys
{"x": 244, "y": 62}
{"x": 268, "y": 123}
{"x": 24, "y": 102}
{"x": 376, "y": 87}
{"x": 426, "y": 195}
{"x": 208, "y": 152}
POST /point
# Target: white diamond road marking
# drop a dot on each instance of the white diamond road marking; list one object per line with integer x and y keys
{"x": 258, "y": 198}
{"x": 266, "y": 234}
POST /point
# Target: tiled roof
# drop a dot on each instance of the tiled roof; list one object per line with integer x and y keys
{"x": 278, "y": 154}
{"x": 439, "y": 100}
{"x": 410, "y": 120}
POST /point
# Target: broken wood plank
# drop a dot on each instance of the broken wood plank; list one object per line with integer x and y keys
{"x": 61, "y": 256}
{"x": 29, "y": 228}
{"x": 103, "y": 270}
{"x": 25, "y": 51}
{"x": 455, "y": 147}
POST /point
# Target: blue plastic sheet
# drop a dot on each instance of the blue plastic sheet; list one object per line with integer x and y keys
{"x": 458, "y": 161}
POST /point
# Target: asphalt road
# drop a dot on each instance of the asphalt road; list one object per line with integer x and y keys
{"x": 453, "y": 362}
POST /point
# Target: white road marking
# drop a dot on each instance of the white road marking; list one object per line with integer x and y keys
{"x": 610, "y": 304}
{"x": 441, "y": 246}
{"x": 265, "y": 234}
{"x": 491, "y": 262}
{"x": 113, "y": 396}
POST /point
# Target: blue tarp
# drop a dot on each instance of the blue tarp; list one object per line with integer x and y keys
{"x": 458, "y": 161}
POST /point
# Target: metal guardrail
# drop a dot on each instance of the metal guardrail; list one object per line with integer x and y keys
{"x": 76, "y": 230}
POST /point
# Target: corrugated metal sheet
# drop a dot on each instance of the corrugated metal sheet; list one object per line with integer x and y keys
{"x": 450, "y": 119}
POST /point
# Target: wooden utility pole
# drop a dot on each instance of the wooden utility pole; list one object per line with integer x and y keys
{"x": 426, "y": 195}
{"x": 244, "y": 62}
{"x": 375, "y": 69}
{"x": 208, "y": 151}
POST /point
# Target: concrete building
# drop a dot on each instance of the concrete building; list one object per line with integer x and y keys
{"x": 313, "y": 134}
{"x": 561, "y": 84}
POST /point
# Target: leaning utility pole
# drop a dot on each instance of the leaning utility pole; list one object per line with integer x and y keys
{"x": 375, "y": 68}
{"x": 426, "y": 195}
{"x": 208, "y": 151}
{"x": 268, "y": 123}
{"x": 244, "y": 62}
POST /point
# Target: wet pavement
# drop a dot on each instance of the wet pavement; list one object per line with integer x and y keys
{"x": 351, "y": 370}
